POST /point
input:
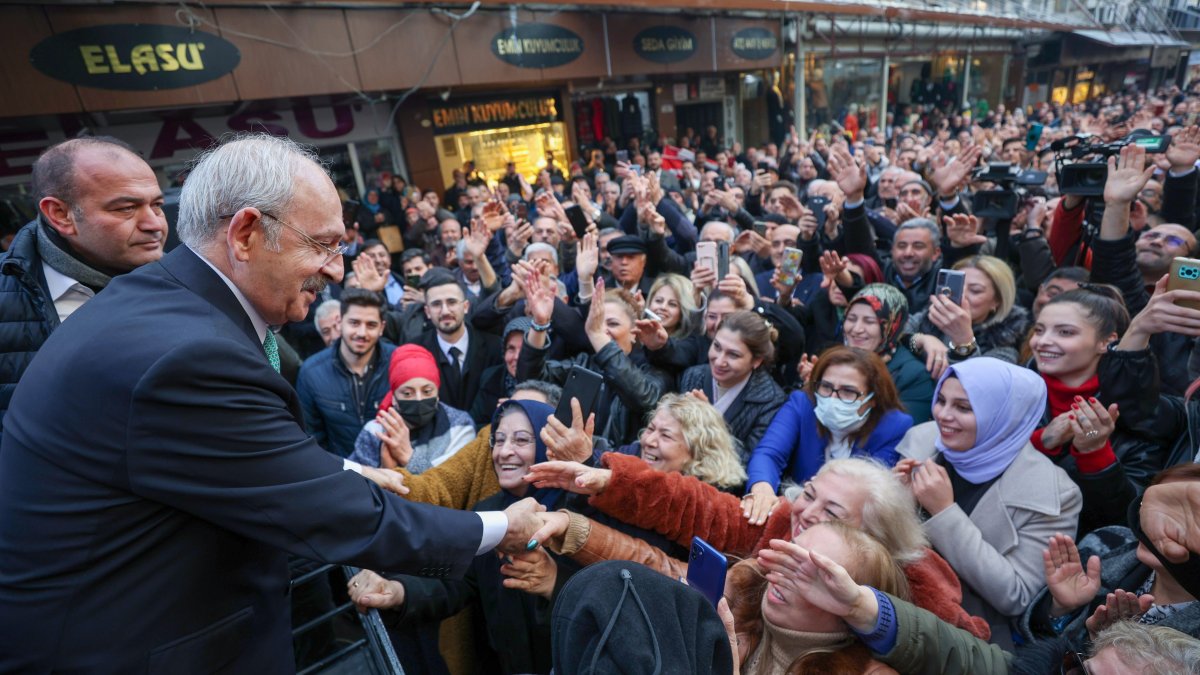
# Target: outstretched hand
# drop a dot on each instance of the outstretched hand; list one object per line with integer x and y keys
{"x": 570, "y": 476}
{"x": 368, "y": 590}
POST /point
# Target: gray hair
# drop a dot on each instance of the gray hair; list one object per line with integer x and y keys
{"x": 247, "y": 170}
{"x": 889, "y": 509}
{"x": 324, "y": 310}
{"x": 539, "y": 246}
{"x": 1153, "y": 650}
{"x": 551, "y": 391}
{"x": 935, "y": 232}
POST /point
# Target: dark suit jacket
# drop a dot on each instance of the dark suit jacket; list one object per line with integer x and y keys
{"x": 483, "y": 351}
{"x": 154, "y": 475}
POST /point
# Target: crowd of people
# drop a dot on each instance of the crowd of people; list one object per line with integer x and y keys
{"x": 907, "y": 478}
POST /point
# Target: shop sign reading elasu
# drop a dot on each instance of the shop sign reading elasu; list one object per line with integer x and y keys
{"x": 135, "y": 57}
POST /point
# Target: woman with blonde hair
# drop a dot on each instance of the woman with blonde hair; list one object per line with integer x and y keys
{"x": 672, "y": 300}
{"x": 987, "y": 322}
{"x": 713, "y": 458}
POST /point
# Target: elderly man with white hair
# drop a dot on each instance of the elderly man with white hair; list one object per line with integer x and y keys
{"x": 155, "y": 472}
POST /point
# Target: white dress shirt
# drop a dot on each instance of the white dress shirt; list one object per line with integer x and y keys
{"x": 462, "y": 348}
{"x": 67, "y": 294}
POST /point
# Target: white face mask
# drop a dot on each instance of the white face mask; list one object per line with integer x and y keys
{"x": 838, "y": 416}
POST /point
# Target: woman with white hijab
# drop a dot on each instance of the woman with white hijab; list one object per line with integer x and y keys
{"x": 992, "y": 499}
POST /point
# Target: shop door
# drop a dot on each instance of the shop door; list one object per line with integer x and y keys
{"x": 698, "y": 116}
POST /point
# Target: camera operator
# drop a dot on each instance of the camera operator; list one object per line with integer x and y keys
{"x": 1134, "y": 263}
{"x": 1177, "y": 157}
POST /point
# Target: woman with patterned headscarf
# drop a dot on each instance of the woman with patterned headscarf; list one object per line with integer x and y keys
{"x": 873, "y": 321}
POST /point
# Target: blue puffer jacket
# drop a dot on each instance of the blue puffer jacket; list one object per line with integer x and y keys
{"x": 27, "y": 315}
{"x": 332, "y": 412}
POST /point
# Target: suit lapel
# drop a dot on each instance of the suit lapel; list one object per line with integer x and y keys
{"x": 195, "y": 274}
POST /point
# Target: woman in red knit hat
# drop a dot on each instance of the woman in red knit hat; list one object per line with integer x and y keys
{"x": 412, "y": 429}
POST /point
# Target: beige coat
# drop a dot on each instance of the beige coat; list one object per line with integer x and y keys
{"x": 997, "y": 550}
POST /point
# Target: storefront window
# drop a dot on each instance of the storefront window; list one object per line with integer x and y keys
{"x": 493, "y": 149}
{"x": 834, "y": 85}
{"x": 374, "y": 158}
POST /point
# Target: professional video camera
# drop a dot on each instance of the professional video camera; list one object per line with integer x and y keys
{"x": 1013, "y": 187}
{"x": 1086, "y": 178}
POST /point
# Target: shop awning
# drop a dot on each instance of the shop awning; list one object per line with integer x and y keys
{"x": 1132, "y": 38}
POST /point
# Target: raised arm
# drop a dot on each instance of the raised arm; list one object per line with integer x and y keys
{"x": 676, "y": 506}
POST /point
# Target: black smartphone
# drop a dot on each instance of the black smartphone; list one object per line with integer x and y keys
{"x": 584, "y": 385}
{"x": 817, "y": 204}
{"x": 950, "y": 283}
{"x": 891, "y": 202}
{"x": 722, "y": 259}
{"x": 760, "y": 228}
{"x": 719, "y": 183}
{"x": 623, "y": 156}
{"x": 579, "y": 222}
{"x": 522, "y": 210}
{"x": 763, "y": 166}
{"x": 412, "y": 280}
{"x": 706, "y": 570}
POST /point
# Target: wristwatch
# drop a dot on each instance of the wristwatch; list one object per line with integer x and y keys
{"x": 543, "y": 327}
{"x": 962, "y": 351}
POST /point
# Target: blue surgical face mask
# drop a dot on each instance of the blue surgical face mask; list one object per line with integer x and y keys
{"x": 838, "y": 416}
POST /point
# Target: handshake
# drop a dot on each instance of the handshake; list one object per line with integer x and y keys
{"x": 530, "y": 526}
{"x": 528, "y": 523}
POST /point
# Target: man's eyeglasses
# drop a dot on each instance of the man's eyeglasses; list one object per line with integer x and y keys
{"x": 845, "y": 394}
{"x": 331, "y": 253}
{"x": 1073, "y": 664}
{"x": 520, "y": 439}
{"x": 1168, "y": 239}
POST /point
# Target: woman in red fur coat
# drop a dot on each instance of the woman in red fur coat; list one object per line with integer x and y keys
{"x": 857, "y": 492}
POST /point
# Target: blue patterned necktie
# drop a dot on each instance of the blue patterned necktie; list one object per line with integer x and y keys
{"x": 271, "y": 347}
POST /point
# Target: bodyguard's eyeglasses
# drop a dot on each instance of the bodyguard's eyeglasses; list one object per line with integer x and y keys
{"x": 845, "y": 394}
{"x": 330, "y": 253}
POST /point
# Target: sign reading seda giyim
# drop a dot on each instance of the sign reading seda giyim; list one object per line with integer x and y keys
{"x": 665, "y": 44}
{"x": 135, "y": 57}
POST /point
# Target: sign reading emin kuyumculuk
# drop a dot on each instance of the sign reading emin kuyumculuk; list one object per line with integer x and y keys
{"x": 664, "y": 44}
{"x": 537, "y": 45}
{"x": 754, "y": 44}
{"x": 135, "y": 57}
{"x": 493, "y": 113}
